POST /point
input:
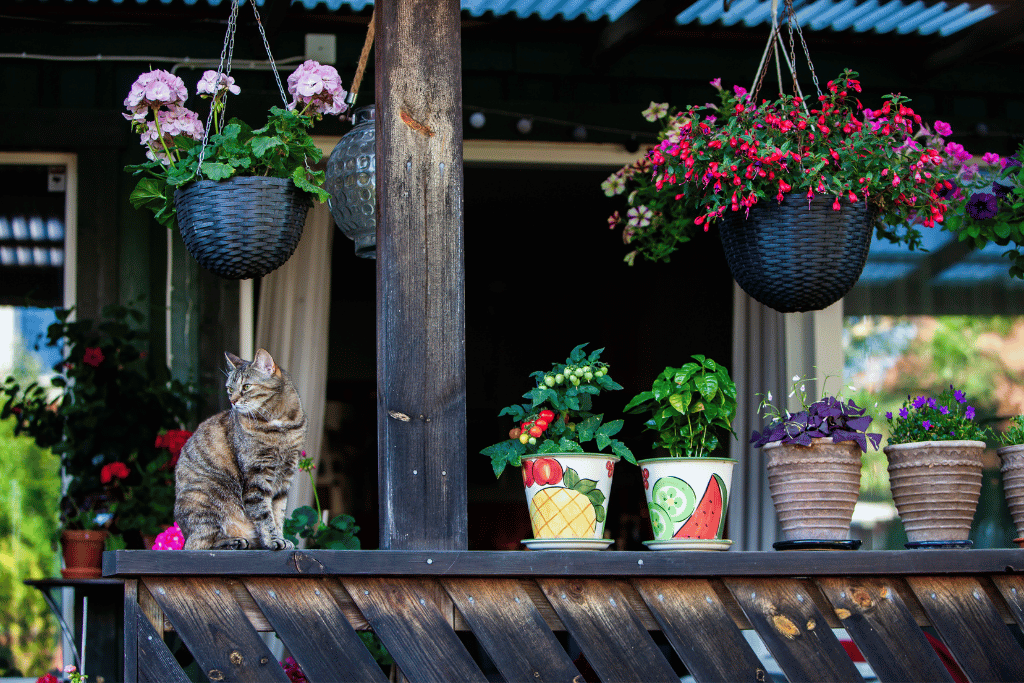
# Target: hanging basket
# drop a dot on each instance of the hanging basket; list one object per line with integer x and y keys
{"x": 794, "y": 258}
{"x": 241, "y": 228}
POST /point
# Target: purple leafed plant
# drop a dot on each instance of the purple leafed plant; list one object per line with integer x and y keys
{"x": 826, "y": 417}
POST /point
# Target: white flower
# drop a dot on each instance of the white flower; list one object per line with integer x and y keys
{"x": 655, "y": 111}
{"x": 206, "y": 85}
{"x": 639, "y": 216}
{"x": 614, "y": 184}
{"x": 769, "y": 395}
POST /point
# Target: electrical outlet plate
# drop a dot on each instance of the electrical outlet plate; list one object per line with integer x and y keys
{"x": 322, "y": 47}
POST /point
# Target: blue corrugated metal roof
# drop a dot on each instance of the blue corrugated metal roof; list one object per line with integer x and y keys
{"x": 879, "y": 16}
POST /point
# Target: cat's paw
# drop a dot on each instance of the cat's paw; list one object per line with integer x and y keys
{"x": 231, "y": 544}
{"x": 281, "y": 544}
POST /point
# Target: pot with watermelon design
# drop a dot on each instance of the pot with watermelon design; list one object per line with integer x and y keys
{"x": 687, "y": 499}
{"x": 567, "y": 494}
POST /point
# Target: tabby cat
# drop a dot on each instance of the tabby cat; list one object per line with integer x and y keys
{"x": 233, "y": 475}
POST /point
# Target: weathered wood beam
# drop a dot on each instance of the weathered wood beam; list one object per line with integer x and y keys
{"x": 1000, "y": 30}
{"x": 421, "y": 366}
{"x": 629, "y": 29}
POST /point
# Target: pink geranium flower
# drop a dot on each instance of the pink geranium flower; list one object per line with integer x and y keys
{"x": 170, "y": 538}
{"x": 318, "y": 88}
{"x": 207, "y": 84}
{"x": 942, "y": 128}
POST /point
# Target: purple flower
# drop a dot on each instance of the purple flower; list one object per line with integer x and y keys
{"x": 740, "y": 91}
{"x": 919, "y": 402}
{"x": 990, "y": 158}
{"x": 982, "y": 205}
{"x": 904, "y": 413}
{"x": 959, "y": 396}
{"x": 888, "y": 415}
{"x": 926, "y": 424}
{"x": 1000, "y": 190}
{"x": 943, "y": 128}
{"x": 944, "y": 410}
{"x": 969, "y": 413}
{"x": 931, "y": 403}
{"x": 716, "y": 83}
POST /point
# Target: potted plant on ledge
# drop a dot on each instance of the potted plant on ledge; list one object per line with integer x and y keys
{"x": 691, "y": 411}
{"x": 935, "y": 468}
{"x": 814, "y": 464}
{"x": 567, "y": 488}
{"x": 1011, "y": 454}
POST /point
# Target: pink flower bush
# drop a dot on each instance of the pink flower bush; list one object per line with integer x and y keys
{"x": 170, "y": 539}
{"x": 153, "y": 90}
{"x": 318, "y": 88}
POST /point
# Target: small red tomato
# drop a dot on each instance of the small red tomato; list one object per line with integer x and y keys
{"x": 542, "y": 423}
{"x": 547, "y": 415}
{"x": 536, "y": 431}
{"x": 514, "y": 433}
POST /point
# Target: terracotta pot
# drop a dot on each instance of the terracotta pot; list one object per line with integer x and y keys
{"x": 814, "y": 487}
{"x": 936, "y": 486}
{"x": 1013, "y": 485}
{"x": 568, "y": 494}
{"x": 83, "y": 553}
{"x": 687, "y": 499}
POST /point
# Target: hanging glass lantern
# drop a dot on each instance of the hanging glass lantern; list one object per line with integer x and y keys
{"x": 351, "y": 182}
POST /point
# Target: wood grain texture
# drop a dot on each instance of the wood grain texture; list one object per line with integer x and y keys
{"x": 883, "y": 627}
{"x": 421, "y": 364}
{"x": 701, "y": 630}
{"x": 511, "y": 629}
{"x": 132, "y": 616}
{"x": 970, "y": 626}
{"x": 315, "y": 630}
{"x": 793, "y": 628}
{"x": 403, "y": 614}
{"x": 597, "y": 615}
{"x": 215, "y": 630}
{"x": 156, "y": 663}
{"x": 1011, "y": 587}
{"x": 528, "y": 564}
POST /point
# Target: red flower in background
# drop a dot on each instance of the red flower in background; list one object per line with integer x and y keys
{"x": 173, "y": 440}
{"x": 113, "y": 470}
{"x": 93, "y": 356}
{"x": 48, "y": 678}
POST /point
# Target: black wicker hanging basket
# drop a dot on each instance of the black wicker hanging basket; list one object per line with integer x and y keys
{"x": 242, "y": 227}
{"x": 794, "y": 258}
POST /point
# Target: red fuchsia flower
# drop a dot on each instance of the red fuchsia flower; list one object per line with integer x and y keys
{"x": 113, "y": 470}
{"x": 93, "y": 356}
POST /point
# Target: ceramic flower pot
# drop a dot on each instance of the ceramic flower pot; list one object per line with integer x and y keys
{"x": 814, "y": 488}
{"x": 936, "y": 486}
{"x": 1012, "y": 469}
{"x": 687, "y": 499}
{"x": 83, "y": 553}
{"x": 568, "y": 494}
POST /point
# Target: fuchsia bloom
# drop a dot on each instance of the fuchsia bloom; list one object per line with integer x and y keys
{"x": 170, "y": 539}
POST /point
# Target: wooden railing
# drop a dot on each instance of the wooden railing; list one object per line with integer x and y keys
{"x": 634, "y": 616}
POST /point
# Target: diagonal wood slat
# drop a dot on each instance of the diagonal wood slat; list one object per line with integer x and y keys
{"x": 597, "y": 614}
{"x": 314, "y": 629}
{"x": 884, "y": 629}
{"x": 215, "y": 630}
{"x": 1011, "y": 587}
{"x": 970, "y": 626}
{"x": 155, "y": 661}
{"x": 511, "y": 629}
{"x": 793, "y": 628}
{"x": 691, "y": 615}
{"x": 403, "y": 614}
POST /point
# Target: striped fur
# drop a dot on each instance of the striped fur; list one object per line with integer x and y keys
{"x": 233, "y": 475}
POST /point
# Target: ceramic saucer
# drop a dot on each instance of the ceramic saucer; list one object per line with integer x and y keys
{"x": 690, "y": 544}
{"x": 939, "y": 544}
{"x": 567, "y": 543}
{"x": 815, "y": 544}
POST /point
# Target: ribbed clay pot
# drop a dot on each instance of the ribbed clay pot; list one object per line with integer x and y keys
{"x": 814, "y": 488}
{"x": 1013, "y": 485}
{"x": 936, "y": 486}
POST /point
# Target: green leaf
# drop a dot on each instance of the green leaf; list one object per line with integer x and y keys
{"x": 620, "y": 449}
{"x": 567, "y": 445}
{"x": 570, "y": 478}
{"x": 214, "y": 170}
{"x": 685, "y": 373}
{"x": 602, "y": 441}
{"x": 595, "y": 496}
{"x": 707, "y": 385}
{"x": 638, "y": 402}
{"x": 262, "y": 143}
{"x": 610, "y": 428}
{"x": 585, "y": 486}
{"x": 577, "y": 354}
{"x": 680, "y": 401}
{"x": 585, "y": 429}
{"x": 599, "y": 513}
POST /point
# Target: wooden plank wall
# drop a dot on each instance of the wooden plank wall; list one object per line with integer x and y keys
{"x": 640, "y": 625}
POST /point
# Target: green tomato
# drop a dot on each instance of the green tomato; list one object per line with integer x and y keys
{"x": 533, "y": 441}
{"x": 588, "y": 376}
{"x": 578, "y": 372}
{"x": 559, "y": 378}
{"x": 575, "y": 381}
{"x": 549, "y": 380}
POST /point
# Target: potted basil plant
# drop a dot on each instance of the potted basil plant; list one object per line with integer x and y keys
{"x": 691, "y": 409}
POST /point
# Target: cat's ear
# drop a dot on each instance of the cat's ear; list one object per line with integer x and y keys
{"x": 264, "y": 363}
{"x": 233, "y": 360}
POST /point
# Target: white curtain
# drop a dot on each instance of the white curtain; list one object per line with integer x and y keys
{"x": 291, "y": 323}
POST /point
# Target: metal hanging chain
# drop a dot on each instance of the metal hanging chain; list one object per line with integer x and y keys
{"x": 793, "y": 23}
{"x": 224, "y": 69}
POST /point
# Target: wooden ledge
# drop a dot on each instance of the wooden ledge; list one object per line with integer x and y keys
{"x": 433, "y": 563}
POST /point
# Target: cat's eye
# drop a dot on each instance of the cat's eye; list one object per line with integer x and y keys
{"x": 246, "y": 387}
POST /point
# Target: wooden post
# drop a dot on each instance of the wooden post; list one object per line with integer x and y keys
{"x": 421, "y": 366}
